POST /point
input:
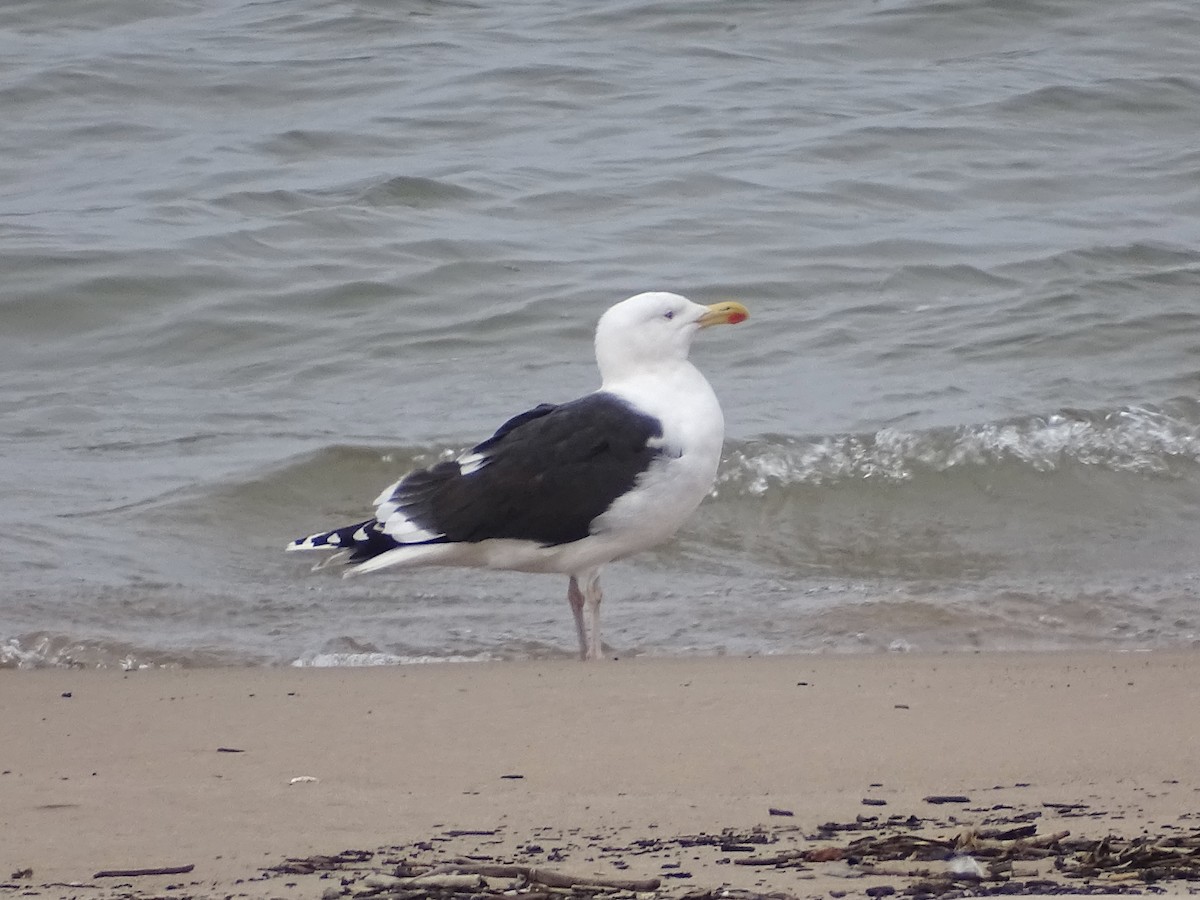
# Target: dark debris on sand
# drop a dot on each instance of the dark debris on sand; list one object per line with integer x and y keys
{"x": 901, "y": 856}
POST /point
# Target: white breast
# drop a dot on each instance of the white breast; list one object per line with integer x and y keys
{"x": 693, "y": 434}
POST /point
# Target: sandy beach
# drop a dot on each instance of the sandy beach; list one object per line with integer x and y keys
{"x": 746, "y": 774}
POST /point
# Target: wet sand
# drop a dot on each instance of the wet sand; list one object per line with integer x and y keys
{"x": 677, "y": 770}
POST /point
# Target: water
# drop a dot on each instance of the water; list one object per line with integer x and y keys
{"x": 260, "y": 257}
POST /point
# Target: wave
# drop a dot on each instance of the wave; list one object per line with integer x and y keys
{"x": 55, "y": 649}
{"x": 1144, "y": 440}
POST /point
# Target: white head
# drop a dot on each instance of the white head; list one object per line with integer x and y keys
{"x": 653, "y": 329}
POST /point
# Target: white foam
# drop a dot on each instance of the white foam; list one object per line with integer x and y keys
{"x": 1133, "y": 439}
{"x": 359, "y": 660}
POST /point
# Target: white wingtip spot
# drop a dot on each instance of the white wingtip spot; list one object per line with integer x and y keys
{"x": 406, "y": 531}
{"x": 472, "y": 462}
{"x": 386, "y": 494}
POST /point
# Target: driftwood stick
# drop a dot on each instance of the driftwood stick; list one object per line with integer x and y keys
{"x": 560, "y": 879}
{"x": 135, "y": 873}
{"x": 547, "y": 877}
{"x": 487, "y": 870}
{"x": 787, "y": 856}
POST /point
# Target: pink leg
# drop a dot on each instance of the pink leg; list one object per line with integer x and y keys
{"x": 591, "y": 609}
{"x": 585, "y": 605}
{"x": 576, "y": 599}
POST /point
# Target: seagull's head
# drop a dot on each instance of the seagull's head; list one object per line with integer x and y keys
{"x": 656, "y": 327}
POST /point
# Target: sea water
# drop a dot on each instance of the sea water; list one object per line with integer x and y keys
{"x": 257, "y": 259}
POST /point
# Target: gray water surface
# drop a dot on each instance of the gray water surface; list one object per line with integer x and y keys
{"x": 258, "y": 258}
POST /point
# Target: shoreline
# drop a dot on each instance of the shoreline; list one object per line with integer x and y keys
{"x": 604, "y": 770}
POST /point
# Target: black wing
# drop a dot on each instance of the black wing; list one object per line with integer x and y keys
{"x": 544, "y": 476}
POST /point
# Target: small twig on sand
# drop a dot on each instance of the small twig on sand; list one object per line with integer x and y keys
{"x": 779, "y": 859}
{"x": 135, "y": 873}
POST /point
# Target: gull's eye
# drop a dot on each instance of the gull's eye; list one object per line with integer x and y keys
{"x": 669, "y": 314}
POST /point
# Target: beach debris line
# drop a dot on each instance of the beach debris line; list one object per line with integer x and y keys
{"x": 907, "y": 857}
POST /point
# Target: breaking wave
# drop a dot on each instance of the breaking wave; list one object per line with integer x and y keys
{"x": 1142, "y": 440}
